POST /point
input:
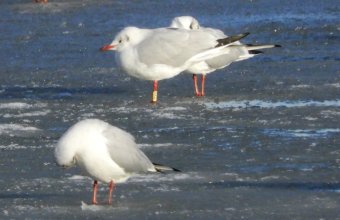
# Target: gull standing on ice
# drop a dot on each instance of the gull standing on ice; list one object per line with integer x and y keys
{"x": 237, "y": 51}
{"x": 162, "y": 53}
{"x": 106, "y": 153}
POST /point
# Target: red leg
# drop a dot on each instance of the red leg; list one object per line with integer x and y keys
{"x": 202, "y": 84}
{"x": 154, "y": 92}
{"x": 194, "y": 77}
{"x": 112, "y": 185}
{"x": 94, "y": 196}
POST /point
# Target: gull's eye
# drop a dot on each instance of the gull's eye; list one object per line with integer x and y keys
{"x": 120, "y": 41}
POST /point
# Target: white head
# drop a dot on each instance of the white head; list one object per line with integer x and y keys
{"x": 78, "y": 137}
{"x": 65, "y": 152}
{"x": 185, "y": 22}
{"x": 126, "y": 37}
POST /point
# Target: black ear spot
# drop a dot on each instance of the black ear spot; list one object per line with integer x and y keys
{"x": 194, "y": 25}
{"x": 127, "y": 38}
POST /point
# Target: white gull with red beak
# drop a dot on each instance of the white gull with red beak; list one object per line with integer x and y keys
{"x": 236, "y": 51}
{"x": 162, "y": 53}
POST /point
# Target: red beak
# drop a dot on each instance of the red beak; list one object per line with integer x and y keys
{"x": 107, "y": 47}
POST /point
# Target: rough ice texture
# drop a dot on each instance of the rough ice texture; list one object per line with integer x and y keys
{"x": 271, "y": 104}
{"x": 13, "y": 128}
{"x": 20, "y": 105}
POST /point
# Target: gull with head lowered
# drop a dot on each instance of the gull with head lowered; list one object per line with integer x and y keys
{"x": 162, "y": 53}
{"x": 236, "y": 51}
{"x": 106, "y": 153}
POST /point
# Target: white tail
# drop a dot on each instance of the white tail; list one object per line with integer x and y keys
{"x": 259, "y": 47}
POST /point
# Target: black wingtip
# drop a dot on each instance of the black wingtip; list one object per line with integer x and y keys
{"x": 161, "y": 168}
{"x": 176, "y": 170}
{"x": 246, "y": 34}
{"x": 231, "y": 39}
{"x": 277, "y": 45}
{"x": 255, "y": 52}
{"x": 163, "y": 171}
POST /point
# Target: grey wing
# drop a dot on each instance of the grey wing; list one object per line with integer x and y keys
{"x": 215, "y": 32}
{"x": 124, "y": 151}
{"x": 236, "y": 53}
{"x": 173, "y": 46}
{"x": 233, "y": 55}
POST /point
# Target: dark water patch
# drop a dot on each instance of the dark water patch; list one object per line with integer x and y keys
{"x": 56, "y": 92}
{"x": 189, "y": 129}
{"x": 5, "y": 196}
{"x": 304, "y": 167}
{"x": 308, "y": 186}
{"x": 303, "y": 133}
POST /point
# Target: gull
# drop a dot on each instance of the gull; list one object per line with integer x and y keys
{"x": 162, "y": 53}
{"x": 237, "y": 51}
{"x": 104, "y": 152}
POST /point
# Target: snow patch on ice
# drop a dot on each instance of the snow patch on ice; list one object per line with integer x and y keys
{"x": 78, "y": 177}
{"x": 27, "y": 114}
{"x": 163, "y": 188}
{"x": 155, "y": 145}
{"x": 336, "y": 85}
{"x": 273, "y": 177}
{"x": 169, "y": 112}
{"x": 12, "y": 147}
{"x": 166, "y": 112}
{"x": 15, "y": 105}
{"x": 13, "y": 129}
{"x": 96, "y": 208}
{"x": 301, "y": 86}
{"x": 176, "y": 108}
{"x": 329, "y": 113}
{"x": 270, "y": 104}
{"x": 311, "y": 118}
{"x": 124, "y": 110}
{"x": 303, "y": 133}
{"x": 167, "y": 115}
{"x": 20, "y": 105}
{"x": 170, "y": 177}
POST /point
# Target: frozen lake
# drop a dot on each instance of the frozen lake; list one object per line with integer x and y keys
{"x": 262, "y": 144}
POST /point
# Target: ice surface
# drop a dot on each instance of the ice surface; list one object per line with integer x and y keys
{"x": 164, "y": 177}
{"x": 272, "y": 104}
{"x": 16, "y": 129}
{"x": 336, "y": 85}
{"x": 94, "y": 208}
{"x": 262, "y": 144}
{"x": 21, "y": 105}
{"x": 160, "y": 145}
{"x": 305, "y": 132}
{"x": 15, "y": 105}
{"x": 27, "y": 114}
